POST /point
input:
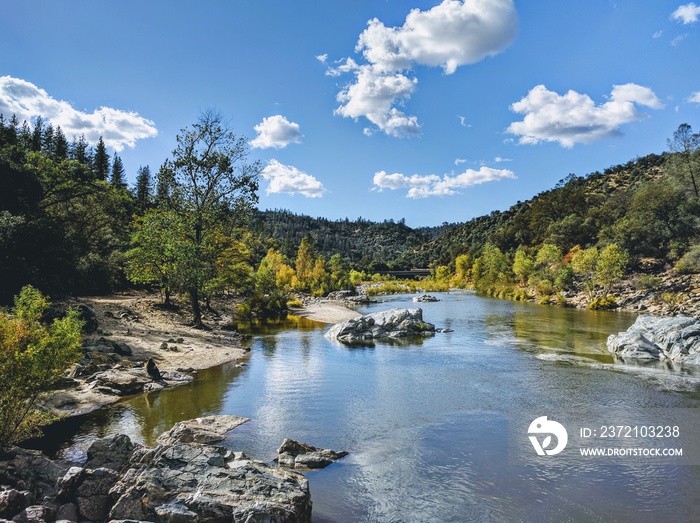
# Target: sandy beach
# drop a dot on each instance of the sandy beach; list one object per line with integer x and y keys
{"x": 325, "y": 311}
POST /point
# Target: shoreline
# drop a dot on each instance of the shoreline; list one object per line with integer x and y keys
{"x": 150, "y": 331}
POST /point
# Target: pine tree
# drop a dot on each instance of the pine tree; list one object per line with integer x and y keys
{"x": 118, "y": 174}
{"x": 60, "y": 145}
{"x": 37, "y": 134}
{"x": 47, "y": 140}
{"x": 101, "y": 161}
{"x": 143, "y": 188}
{"x": 80, "y": 150}
{"x": 164, "y": 183}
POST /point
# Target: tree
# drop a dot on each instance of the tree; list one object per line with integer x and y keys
{"x": 143, "y": 188}
{"x": 118, "y": 175}
{"x": 59, "y": 148}
{"x": 523, "y": 265}
{"x": 306, "y": 258}
{"x": 686, "y": 144}
{"x": 548, "y": 260}
{"x": 100, "y": 161}
{"x": 157, "y": 251}
{"x": 611, "y": 266}
{"x": 212, "y": 184}
{"x": 32, "y": 356}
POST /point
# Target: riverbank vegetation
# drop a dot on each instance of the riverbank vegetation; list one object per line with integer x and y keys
{"x": 71, "y": 225}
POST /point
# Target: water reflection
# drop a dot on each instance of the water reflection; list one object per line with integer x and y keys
{"x": 426, "y": 423}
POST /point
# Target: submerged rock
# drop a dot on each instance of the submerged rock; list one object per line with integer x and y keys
{"x": 293, "y": 454}
{"x": 394, "y": 323}
{"x": 659, "y": 338}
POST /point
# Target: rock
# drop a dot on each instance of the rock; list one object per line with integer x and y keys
{"x": 11, "y": 503}
{"x": 425, "y": 298}
{"x": 154, "y": 386}
{"x": 67, "y": 512}
{"x": 35, "y": 514}
{"x": 122, "y": 348}
{"x": 191, "y": 482}
{"x": 30, "y": 470}
{"x": 124, "y": 382}
{"x": 209, "y": 429}
{"x": 340, "y": 295}
{"x": 659, "y": 338}
{"x": 361, "y": 298}
{"x": 394, "y": 323}
{"x": 171, "y": 375}
{"x": 300, "y": 455}
{"x": 91, "y": 491}
{"x": 444, "y": 330}
{"x": 163, "y": 346}
{"x": 87, "y": 314}
{"x": 112, "y": 453}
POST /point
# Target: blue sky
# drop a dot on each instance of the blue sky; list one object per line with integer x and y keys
{"x": 424, "y": 110}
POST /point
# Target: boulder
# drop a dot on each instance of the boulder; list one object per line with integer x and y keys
{"x": 112, "y": 453}
{"x": 91, "y": 491}
{"x": 87, "y": 314}
{"x": 123, "y": 382}
{"x": 294, "y": 454}
{"x": 209, "y": 429}
{"x": 11, "y": 503}
{"x": 394, "y": 323}
{"x": 30, "y": 470}
{"x": 192, "y": 482}
{"x": 425, "y": 298}
{"x": 674, "y": 338}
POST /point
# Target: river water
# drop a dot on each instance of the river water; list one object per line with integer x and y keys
{"x": 426, "y": 423}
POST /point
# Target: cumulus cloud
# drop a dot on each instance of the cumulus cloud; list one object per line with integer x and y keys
{"x": 575, "y": 118}
{"x": 687, "y": 14}
{"x": 117, "y": 128}
{"x": 449, "y": 35}
{"x": 695, "y": 97}
{"x": 276, "y": 131}
{"x": 286, "y": 179}
{"x": 423, "y": 186}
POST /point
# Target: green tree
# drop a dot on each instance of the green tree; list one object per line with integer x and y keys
{"x": 100, "y": 161}
{"x": 611, "y": 267}
{"x": 158, "y": 246}
{"x": 686, "y": 145}
{"x": 143, "y": 188}
{"x": 463, "y": 266}
{"x": 32, "y": 356}
{"x": 523, "y": 265}
{"x": 548, "y": 261}
{"x": 118, "y": 179}
{"x": 212, "y": 184}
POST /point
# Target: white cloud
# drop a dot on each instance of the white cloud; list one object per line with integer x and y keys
{"x": 423, "y": 186}
{"x": 286, "y": 179}
{"x": 449, "y": 35}
{"x": 687, "y": 14}
{"x": 117, "y": 128}
{"x": 574, "y": 118}
{"x": 460, "y": 161}
{"x": 498, "y": 159}
{"x": 323, "y": 58}
{"x": 695, "y": 97}
{"x": 276, "y": 131}
{"x": 677, "y": 40}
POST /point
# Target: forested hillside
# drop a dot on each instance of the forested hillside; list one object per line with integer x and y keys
{"x": 365, "y": 244}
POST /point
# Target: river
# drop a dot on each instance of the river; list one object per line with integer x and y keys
{"x": 426, "y": 423}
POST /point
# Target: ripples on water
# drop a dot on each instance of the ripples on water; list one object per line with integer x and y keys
{"x": 427, "y": 424}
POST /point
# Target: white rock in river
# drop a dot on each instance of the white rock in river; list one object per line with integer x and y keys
{"x": 659, "y": 338}
{"x": 394, "y": 323}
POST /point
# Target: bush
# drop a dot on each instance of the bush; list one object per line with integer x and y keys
{"x": 689, "y": 262}
{"x": 603, "y": 303}
{"x": 32, "y": 357}
{"x": 646, "y": 282}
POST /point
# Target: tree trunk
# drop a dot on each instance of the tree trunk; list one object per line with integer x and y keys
{"x": 196, "y": 310}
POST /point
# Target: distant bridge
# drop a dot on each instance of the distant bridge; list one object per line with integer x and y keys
{"x": 413, "y": 273}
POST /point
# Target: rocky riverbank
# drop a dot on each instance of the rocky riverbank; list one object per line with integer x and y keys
{"x": 186, "y": 477}
{"x": 123, "y": 333}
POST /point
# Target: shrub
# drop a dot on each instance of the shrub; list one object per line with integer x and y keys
{"x": 646, "y": 282}
{"x": 295, "y": 302}
{"x": 33, "y": 356}
{"x": 603, "y": 303}
{"x": 689, "y": 262}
